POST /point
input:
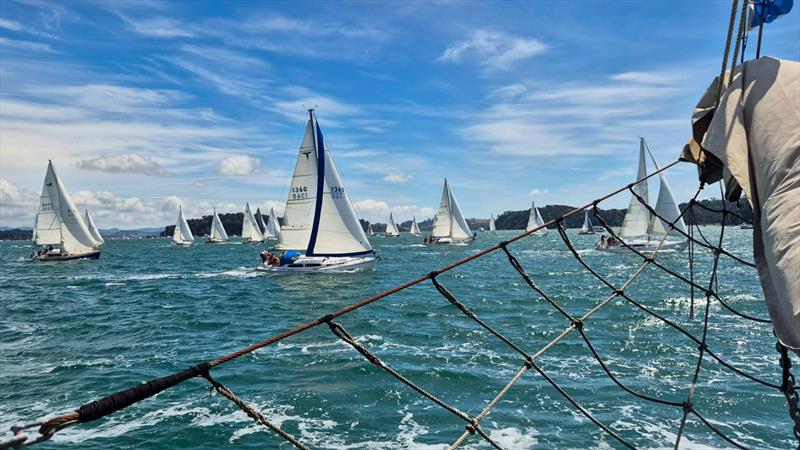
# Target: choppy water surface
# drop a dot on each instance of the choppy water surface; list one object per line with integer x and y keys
{"x": 72, "y": 332}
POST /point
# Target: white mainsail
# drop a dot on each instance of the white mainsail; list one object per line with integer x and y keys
{"x": 182, "y": 232}
{"x": 491, "y": 223}
{"x": 391, "y": 227}
{"x": 448, "y": 221}
{"x": 666, "y": 207}
{"x": 535, "y": 220}
{"x": 319, "y": 217}
{"x": 414, "y": 227}
{"x": 93, "y": 229}
{"x": 587, "y": 223}
{"x": 250, "y": 229}
{"x": 273, "y": 226}
{"x": 217, "y": 230}
{"x": 637, "y": 218}
{"x": 58, "y": 221}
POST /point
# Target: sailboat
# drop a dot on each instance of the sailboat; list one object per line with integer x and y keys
{"x": 60, "y": 233}
{"x": 273, "y": 229}
{"x": 260, "y": 221}
{"x": 218, "y": 234}
{"x": 320, "y": 229}
{"x": 414, "y": 227}
{"x": 587, "y": 227}
{"x": 639, "y": 227}
{"x": 535, "y": 220}
{"x": 93, "y": 229}
{"x": 491, "y": 223}
{"x": 449, "y": 225}
{"x": 369, "y": 230}
{"x": 182, "y": 236}
{"x": 251, "y": 231}
{"x": 391, "y": 228}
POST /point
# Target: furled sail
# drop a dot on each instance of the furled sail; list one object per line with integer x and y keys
{"x": 58, "y": 221}
{"x": 217, "y": 230}
{"x": 182, "y": 232}
{"x": 391, "y": 227}
{"x": 637, "y": 218}
{"x": 273, "y": 226}
{"x": 319, "y": 217}
{"x": 93, "y": 229}
{"x": 491, "y": 223}
{"x": 587, "y": 223}
{"x": 250, "y": 229}
{"x": 449, "y": 222}
{"x": 535, "y": 220}
{"x": 414, "y": 227}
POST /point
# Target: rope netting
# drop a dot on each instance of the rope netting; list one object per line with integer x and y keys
{"x": 685, "y": 404}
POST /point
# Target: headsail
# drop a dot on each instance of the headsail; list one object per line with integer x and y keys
{"x": 666, "y": 207}
{"x": 260, "y": 220}
{"x": 449, "y": 222}
{"x": 535, "y": 220}
{"x": 93, "y": 229}
{"x": 250, "y": 228}
{"x": 273, "y": 226}
{"x": 491, "y": 223}
{"x": 217, "y": 230}
{"x": 637, "y": 219}
{"x": 182, "y": 232}
{"x": 58, "y": 221}
{"x": 391, "y": 227}
{"x": 414, "y": 227}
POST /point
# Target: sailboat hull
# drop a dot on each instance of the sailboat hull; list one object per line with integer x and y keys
{"x": 304, "y": 264}
{"x": 182, "y": 243}
{"x": 215, "y": 241}
{"x": 590, "y": 231}
{"x": 451, "y": 241}
{"x": 643, "y": 246}
{"x": 59, "y": 257}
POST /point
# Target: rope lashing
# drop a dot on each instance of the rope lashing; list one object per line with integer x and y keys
{"x": 789, "y": 389}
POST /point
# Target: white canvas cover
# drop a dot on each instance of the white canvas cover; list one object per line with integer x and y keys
{"x": 250, "y": 229}
{"x": 449, "y": 222}
{"x": 273, "y": 226}
{"x": 414, "y": 227}
{"x": 299, "y": 214}
{"x": 391, "y": 227}
{"x": 58, "y": 221}
{"x": 93, "y": 229}
{"x": 637, "y": 218}
{"x": 756, "y": 137}
{"x": 182, "y": 232}
{"x": 217, "y": 230}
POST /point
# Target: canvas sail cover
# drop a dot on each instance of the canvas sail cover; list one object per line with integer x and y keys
{"x": 491, "y": 223}
{"x": 391, "y": 227}
{"x": 637, "y": 218}
{"x": 217, "y": 230}
{"x": 93, "y": 229}
{"x": 336, "y": 229}
{"x": 58, "y": 221}
{"x": 414, "y": 226}
{"x": 754, "y": 136}
{"x": 587, "y": 223}
{"x": 298, "y": 217}
{"x": 182, "y": 232}
{"x": 273, "y": 226}
{"x": 250, "y": 228}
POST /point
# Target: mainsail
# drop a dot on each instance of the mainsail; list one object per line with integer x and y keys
{"x": 93, "y": 229}
{"x": 414, "y": 227}
{"x": 391, "y": 227}
{"x": 535, "y": 220}
{"x": 182, "y": 232}
{"x": 273, "y": 226}
{"x": 637, "y": 218}
{"x": 491, "y": 223}
{"x": 217, "y": 230}
{"x": 448, "y": 221}
{"x": 250, "y": 229}
{"x": 587, "y": 223}
{"x": 319, "y": 217}
{"x": 58, "y": 221}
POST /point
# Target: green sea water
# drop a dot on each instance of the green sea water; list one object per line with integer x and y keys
{"x": 73, "y": 332}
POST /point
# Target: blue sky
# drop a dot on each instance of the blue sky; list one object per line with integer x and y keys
{"x": 143, "y": 105}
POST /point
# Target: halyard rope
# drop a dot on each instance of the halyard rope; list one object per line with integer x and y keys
{"x": 114, "y": 402}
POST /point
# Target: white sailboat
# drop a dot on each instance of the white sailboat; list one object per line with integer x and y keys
{"x": 535, "y": 220}
{"x": 491, "y": 223}
{"x": 369, "y": 230}
{"x": 391, "y": 228}
{"x": 449, "y": 225}
{"x": 251, "y": 232}
{"x": 414, "y": 227}
{"x": 273, "y": 227}
{"x": 93, "y": 229}
{"x": 60, "y": 233}
{"x": 182, "y": 236}
{"x": 218, "y": 234}
{"x": 587, "y": 227}
{"x": 262, "y": 227}
{"x": 640, "y": 229}
{"x": 320, "y": 228}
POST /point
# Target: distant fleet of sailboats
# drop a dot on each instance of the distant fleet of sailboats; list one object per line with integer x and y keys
{"x": 321, "y": 230}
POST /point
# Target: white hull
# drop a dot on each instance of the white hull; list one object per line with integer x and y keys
{"x": 215, "y": 241}
{"x": 251, "y": 241}
{"x": 643, "y": 246}
{"x": 586, "y": 232}
{"x": 321, "y": 264}
{"x": 451, "y": 241}
{"x": 182, "y": 243}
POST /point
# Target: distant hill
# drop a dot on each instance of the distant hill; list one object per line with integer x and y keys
{"x": 16, "y": 234}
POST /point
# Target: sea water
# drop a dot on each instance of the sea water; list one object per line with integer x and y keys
{"x": 76, "y": 331}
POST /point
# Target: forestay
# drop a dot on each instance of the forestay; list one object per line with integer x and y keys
{"x": 637, "y": 219}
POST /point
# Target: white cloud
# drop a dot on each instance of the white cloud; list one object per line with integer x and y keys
{"x": 238, "y": 165}
{"x": 378, "y": 211}
{"x": 508, "y": 92}
{"x": 493, "y": 50}
{"x": 158, "y": 26}
{"x": 22, "y": 28}
{"x": 127, "y": 163}
{"x": 650, "y": 77}
{"x": 398, "y": 178}
{"x": 26, "y": 45}
{"x": 538, "y": 192}
{"x": 17, "y": 205}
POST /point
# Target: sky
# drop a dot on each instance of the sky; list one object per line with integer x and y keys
{"x": 145, "y": 105}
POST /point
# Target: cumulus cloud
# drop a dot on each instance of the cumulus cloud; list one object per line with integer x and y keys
{"x": 238, "y": 165}
{"x": 378, "y": 211}
{"x": 17, "y": 205}
{"x": 493, "y": 50}
{"x": 397, "y": 178}
{"x": 127, "y": 163}
{"x": 538, "y": 192}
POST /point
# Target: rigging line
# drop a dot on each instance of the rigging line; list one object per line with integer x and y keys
{"x": 738, "y": 40}
{"x": 721, "y": 78}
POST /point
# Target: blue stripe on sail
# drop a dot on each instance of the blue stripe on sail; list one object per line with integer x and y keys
{"x": 312, "y": 242}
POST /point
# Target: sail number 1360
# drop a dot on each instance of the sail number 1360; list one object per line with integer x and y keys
{"x": 299, "y": 192}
